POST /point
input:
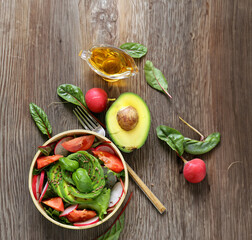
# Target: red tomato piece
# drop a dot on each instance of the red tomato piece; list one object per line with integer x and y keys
{"x": 46, "y": 160}
{"x": 79, "y": 143}
{"x": 110, "y": 160}
{"x": 55, "y": 203}
{"x": 80, "y": 215}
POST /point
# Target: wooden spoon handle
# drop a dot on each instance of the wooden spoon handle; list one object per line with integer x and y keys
{"x": 159, "y": 206}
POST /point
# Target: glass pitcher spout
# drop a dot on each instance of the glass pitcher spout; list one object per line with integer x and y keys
{"x": 84, "y": 55}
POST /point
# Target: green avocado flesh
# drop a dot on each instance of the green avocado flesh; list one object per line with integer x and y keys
{"x": 99, "y": 204}
{"x": 62, "y": 184}
{"x": 82, "y": 180}
{"x": 128, "y": 140}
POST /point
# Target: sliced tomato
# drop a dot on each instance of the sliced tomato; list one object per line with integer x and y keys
{"x": 110, "y": 160}
{"x": 55, "y": 203}
{"x": 80, "y": 215}
{"x": 79, "y": 143}
{"x": 46, "y": 160}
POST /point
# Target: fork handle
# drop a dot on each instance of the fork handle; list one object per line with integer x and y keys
{"x": 159, "y": 206}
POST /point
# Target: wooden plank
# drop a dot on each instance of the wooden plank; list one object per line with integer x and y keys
{"x": 204, "y": 50}
{"x": 231, "y": 63}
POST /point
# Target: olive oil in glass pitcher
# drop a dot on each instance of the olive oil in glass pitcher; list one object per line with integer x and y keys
{"x": 110, "y": 62}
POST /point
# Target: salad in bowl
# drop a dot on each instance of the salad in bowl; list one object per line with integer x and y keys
{"x": 78, "y": 179}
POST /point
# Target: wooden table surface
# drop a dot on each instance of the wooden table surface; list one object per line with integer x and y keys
{"x": 204, "y": 48}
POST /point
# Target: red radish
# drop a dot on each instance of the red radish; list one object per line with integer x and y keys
{"x": 96, "y": 100}
{"x": 68, "y": 210}
{"x": 110, "y": 160}
{"x": 55, "y": 203}
{"x": 59, "y": 149}
{"x": 41, "y": 181}
{"x": 46, "y": 150}
{"x": 80, "y": 215}
{"x": 35, "y": 186}
{"x": 46, "y": 160}
{"x": 79, "y": 143}
{"x": 116, "y": 194}
{"x": 105, "y": 148}
{"x": 88, "y": 222}
{"x": 194, "y": 170}
{"x": 110, "y": 209}
{"x": 121, "y": 181}
{"x": 43, "y": 192}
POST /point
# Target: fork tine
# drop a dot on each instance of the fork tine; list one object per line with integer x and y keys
{"x": 87, "y": 123}
{"x": 90, "y": 116}
{"x": 80, "y": 119}
{"x": 83, "y": 118}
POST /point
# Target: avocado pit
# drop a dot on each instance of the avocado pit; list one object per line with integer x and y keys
{"x": 127, "y": 118}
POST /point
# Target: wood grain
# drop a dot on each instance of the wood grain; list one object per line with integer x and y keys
{"x": 204, "y": 48}
{"x": 149, "y": 194}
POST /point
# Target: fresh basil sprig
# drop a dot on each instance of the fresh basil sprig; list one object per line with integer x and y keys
{"x": 135, "y": 50}
{"x": 155, "y": 78}
{"x": 200, "y": 147}
{"x": 36, "y": 171}
{"x": 115, "y": 231}
{"x": 71, "y": 93}
{"x": 179, "y": 143}
{"x": 172, "y": 137}
{"x": 54, "y": 214}
{"x": 41, "y": 119}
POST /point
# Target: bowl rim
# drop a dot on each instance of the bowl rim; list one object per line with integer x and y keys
{"x": 58, "y": 137}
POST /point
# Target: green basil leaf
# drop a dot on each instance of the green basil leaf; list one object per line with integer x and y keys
{"x": 155, "y": 78}
{"x": 54, "y": 214}
{"x": 172, "y": 137}
{"x": 72, "y": 94}
{"x": 41, "y": 119}
{"x": 115, "y": 231}
{"x": 96, "y": 144}
{"x": 49, "y": 193}
{"x": 200, "y": 147}
{"x": 135, "y": 50}
{"x": 36, "y": 171}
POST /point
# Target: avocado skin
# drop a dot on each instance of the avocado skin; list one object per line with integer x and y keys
{"x": 142, "y": 132}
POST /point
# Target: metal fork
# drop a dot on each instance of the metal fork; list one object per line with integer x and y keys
{"x": 90, "y": 123}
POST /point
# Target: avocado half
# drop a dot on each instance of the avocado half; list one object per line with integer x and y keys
{"x": 128, "y": 140}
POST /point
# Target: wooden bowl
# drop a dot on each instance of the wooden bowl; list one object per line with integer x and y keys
{"x": 72, "y": 133}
